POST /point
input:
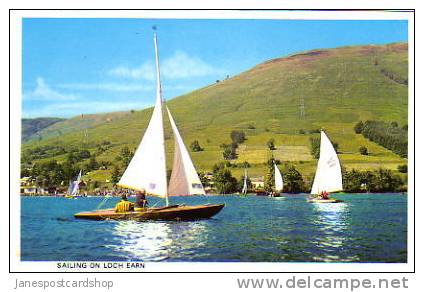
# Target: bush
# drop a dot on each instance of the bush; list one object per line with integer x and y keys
{"x": 238, "y": 137}
{"x": 363, "y": 150}
{"x": 359, "y": 127}
{"x": 271, "y": 144}
{"x": 403, "y": 168}
{"x": 315, "y": 144}
{"x": 224, "y": 182}
{"x": 195, "y": 146}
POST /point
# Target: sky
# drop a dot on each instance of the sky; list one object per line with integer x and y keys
{"x": 75, "y": 66}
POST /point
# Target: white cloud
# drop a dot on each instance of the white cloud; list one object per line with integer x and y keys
{"x": 43, "y": 91}
{"x": 178, "y": 66}
{"x": 145, "y": 71}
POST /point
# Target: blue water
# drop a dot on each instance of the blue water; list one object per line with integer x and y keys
{"x": 365, "y": 228}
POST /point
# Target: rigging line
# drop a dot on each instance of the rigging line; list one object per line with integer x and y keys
{"x": 105, "y": 199}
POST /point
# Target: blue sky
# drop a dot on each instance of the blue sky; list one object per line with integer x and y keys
{"x": 74, "y": 66}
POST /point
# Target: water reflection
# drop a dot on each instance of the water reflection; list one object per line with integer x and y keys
{"x": 157, "y": 241}
{"x": 333, "y": 223}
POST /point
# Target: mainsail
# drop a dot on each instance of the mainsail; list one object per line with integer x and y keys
{"x": 278, "y": 178}
{"x": 147, "y": 169}
{"x": 328, "y": 176}
{"x": 74, "y": 186}
{"x": 244, "y": 190}
{"x": 184, "y": 179}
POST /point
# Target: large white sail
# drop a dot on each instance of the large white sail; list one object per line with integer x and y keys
{"x": 147, "y": 169}
{"x": 328, "y": 176}
{"x": 184, "y": 179}
{"x": 244, "y": 190}
{"x": 278, "y": 178}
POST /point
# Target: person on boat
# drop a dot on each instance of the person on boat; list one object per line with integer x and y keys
{"x": 324, "y": 195}
{"x": 140, "y": 200}
{"x": 124, "y": 205}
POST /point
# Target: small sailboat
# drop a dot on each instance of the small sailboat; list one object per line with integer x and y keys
{"x": 73, "y": 190}
{"x": 328, "y": 176}
{"x": 278, "y": 182}
{"x": 244, "y": 190}
{"x": 147, "y": 171}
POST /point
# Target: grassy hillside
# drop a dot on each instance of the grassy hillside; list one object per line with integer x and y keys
{"x": 337, "y": 87}
{"x": 30, "y": 127}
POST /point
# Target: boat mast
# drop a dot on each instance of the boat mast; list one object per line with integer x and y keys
{"x": 159, "y": 89}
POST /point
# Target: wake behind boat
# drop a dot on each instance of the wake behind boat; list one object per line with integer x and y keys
{"x": 147, "y": 172}
{"x": 328, "y": 176}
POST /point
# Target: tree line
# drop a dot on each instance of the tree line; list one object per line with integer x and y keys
{"x": 388, "y": 135}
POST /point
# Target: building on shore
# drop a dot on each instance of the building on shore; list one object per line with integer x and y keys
{"x": 258, "y": 183}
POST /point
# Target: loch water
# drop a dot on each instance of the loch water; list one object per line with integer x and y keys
{"x": 364, "y": 228}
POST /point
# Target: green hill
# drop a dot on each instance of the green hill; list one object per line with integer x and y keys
{"x": 280, "y": 99}
{"x": 30, "y": 127}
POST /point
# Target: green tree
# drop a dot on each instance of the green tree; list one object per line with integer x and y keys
{"x": 269, "y": 176}
{"x": 293, "y": 180}
{"x": 195, "y": 146}
{"x": 224, "y": 182}
{"x": 315, "y": 144}
{"x": 116, "y": 174}
{"x": 125, "y": 156}
{"x": 363, "y": 150}
{"x": 403, "y": 168}
{"x": 359, "y": 127}
{"x": 229, "y": 152}
{"x": 238, "y": 137}
{"x": 92, "y": 164}
{"x": 271, "y": 144}
{"x": 385, "y": 181}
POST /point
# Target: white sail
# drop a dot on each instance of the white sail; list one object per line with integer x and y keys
{"x": 244, "y": 190}
{"x": 328, "y": 176}
{"x": 147, "y": 169}
{"x": 184, "y": 179}
{"x": 74, "y": 186}
{"x": 278, "y": 178}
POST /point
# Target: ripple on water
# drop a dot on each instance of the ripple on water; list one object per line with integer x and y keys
{"x": 366, "y": 228}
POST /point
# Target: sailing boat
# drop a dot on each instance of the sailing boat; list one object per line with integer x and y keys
{"x": 328, "y": 177}
{"x": 147, "y": 171}
{"x": 73, "y": 189}
{"x": 278, "y": 182}
{"x": 244, "y": 190}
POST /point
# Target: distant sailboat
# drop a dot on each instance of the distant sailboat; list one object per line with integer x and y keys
{"x": 278, "y": 182}
{"x": 244, "y": 190}
{"x": 328, "y": 176}
{"x": 73, "y": 189}
{"x": 147, "y": 171}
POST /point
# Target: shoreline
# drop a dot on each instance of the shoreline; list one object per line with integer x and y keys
{"x": 218, "y": 195}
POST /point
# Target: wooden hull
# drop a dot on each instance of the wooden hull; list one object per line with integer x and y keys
{"x": 174, "y": 212}
{"x": 321, "y": 201}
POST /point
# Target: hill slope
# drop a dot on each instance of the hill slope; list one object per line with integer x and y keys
{"x": 331, "y": 89}
{"x": 30, "y": 127}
